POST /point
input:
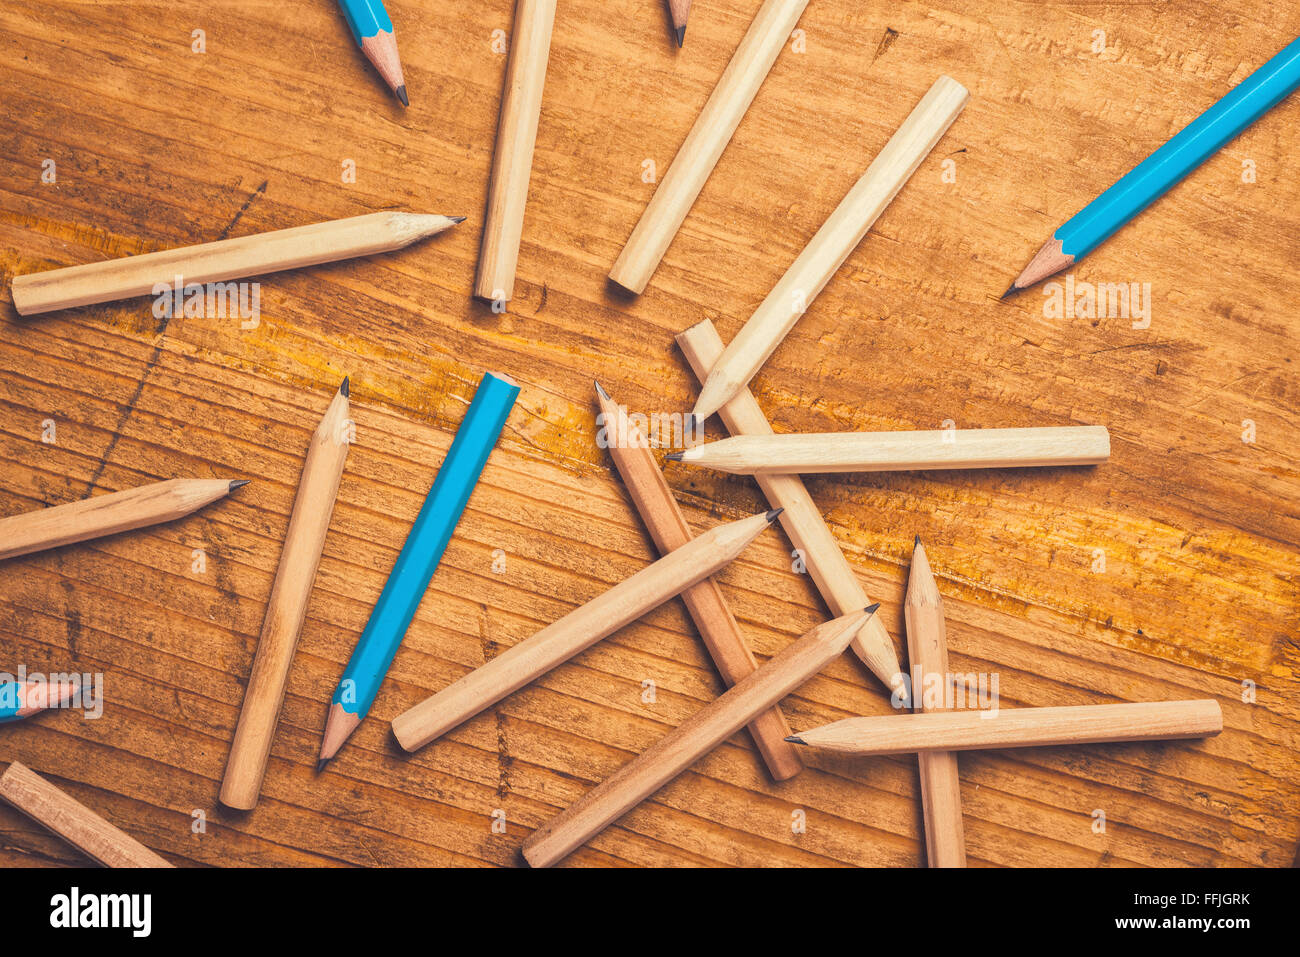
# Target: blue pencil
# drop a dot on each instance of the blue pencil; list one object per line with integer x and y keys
{"x": 419, "y": 557}
{"x": 1160, "y": 171}
{"x": 374, "y": 34}
{"x": 19, "y": 699}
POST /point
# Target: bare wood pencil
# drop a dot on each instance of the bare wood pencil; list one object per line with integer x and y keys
{"x": 1018, "y": 728}
{"x": 927, "y": 651}
{"x": 221, "y": 261}
{"x": 802, "y": 521}
{"x": 699, "y": 154}
{"x": 688, "y": 742}
{"x": 680, "y": 10}
{"x": 831, "y": 246}
{"x": 576, "y": 631}
{"x": 902, "y": 451}
{"x": 512, "y": 163}
{"x": 718, "y": 627}
{"x": 74, "y": 822}
{"x": 286, "y": 609}
{"x": 102, "y": 515}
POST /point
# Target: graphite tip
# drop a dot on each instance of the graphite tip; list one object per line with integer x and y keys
{"x": 458, "y": 219}
{"x": 238, "y": 483}
{"x": 871, "y": 609}
{"x": 773, "y": 514}
{"x": 674, "y": 456}
{"x": 795, "y": 739}
{"x": 344, "y": 387}
{"x": 916, "y": 542}
{"x": 401, "y": 95}
{"x": 681, "y": 35}
{"x": 320, "y": 765}
{"x": 600, "y": 389}
{"x": 1010, "y": 289}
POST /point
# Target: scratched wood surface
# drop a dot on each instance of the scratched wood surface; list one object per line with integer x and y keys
{"x": 155, "y": 146}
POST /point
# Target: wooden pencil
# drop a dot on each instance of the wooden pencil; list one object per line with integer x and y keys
{"x": 110, "y": 514}
{"x": 576, "y": 631}
{"x": 708, "y": 609}
{"x": 372, "y": 28}
{"x": 73, "y": 821}
{"x": 902, "y": 451}
{"x": 692, "y": 739}
{"x": 699, "y": 154}
{"x": 679, "y": 10}
{"x": 800, "y": 517}
{"x": 286, "y": 609}
{"x": 512, "y": 163}
{"x": 927, "y": 652}
{"x": 222, "y": 261}
{"x": 831, "y": 246}
{"x": 1018, "y": 728}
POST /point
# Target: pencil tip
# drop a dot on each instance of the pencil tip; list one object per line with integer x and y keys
{"x": 344, "y": 388}
{"x": 871, "y": 609}
{"x": 458, "y": 219}
{"x": 675, "y": 456}
{"x": 1010, "y": 289}
{"x": 238, "y": 483}
{"x": 795, "y": 739}
{"x": 401, "y": 95}
{"x": 320, "y": 765}
{"x": 681, "y": 35}
{"x": 773, "y": 514}
{"x": 600, "y": 390}
{"x": 916, "y": 542}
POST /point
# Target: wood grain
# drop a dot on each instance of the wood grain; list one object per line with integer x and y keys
{"x": 1168, "y": 574}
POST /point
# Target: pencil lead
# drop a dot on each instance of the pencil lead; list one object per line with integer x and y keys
{"x": 871, "y": 609}
{"x": 344, "y": 388}
{"x": 916, "y": 542}
{"x": 772, "y": 515}
{"x": 401, "y": 95}
{"x": 458, "y": 219}
{"x": 320, "y": 765}
{"x": 795, "y": 739}
{"x": 681, "y": 35}
{"x": 674, "y": 456}
{"x": 1010, "y": 289}
{"x": 238, "y": 483}
{"x": 600, "y": 390}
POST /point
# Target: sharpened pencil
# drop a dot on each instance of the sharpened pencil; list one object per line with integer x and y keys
{"x": 373, "y": 31}
{"x": 22, "y": 699}
{"x": 679, "y": 10}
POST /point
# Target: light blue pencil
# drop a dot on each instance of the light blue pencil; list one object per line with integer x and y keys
{"x": 1159, "y": 172}
{"x": 418, "y": 560}
{"x": 373, "y": 31}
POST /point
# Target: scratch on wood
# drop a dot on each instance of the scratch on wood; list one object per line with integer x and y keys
{"x": 885, "y": 43}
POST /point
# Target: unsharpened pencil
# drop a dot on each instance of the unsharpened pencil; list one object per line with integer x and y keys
{"x": 1163, "y": 169}
{"x": 1017, "y": 728}
{"x": 927, "y": 644}
{"x": 184, "y": 271}
{"x": 812, "y": 452}
{"x": 708, "y": 608}
{"x": 680, "y": 10}
{"x": 110, "y": 514}
{"x": 699, "y": 154}
{"x": 287, "y": 607}
{"x": 688, "y": 742}
{"x": 827, "y": 251}
{"x": 577, "y": 631}
{"x": 373, "y": 31}
{"x": 73, "y": 821}
{"x": 800, "y": 517}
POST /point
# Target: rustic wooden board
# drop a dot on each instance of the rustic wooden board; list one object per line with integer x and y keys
{"x": 156, "y": 146}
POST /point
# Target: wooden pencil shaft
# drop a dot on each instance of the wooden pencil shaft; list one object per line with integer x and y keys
{"x": 512, "y": 163}
{"x": 827, "y": 251}
{"x": 699, "y": 154}
{"x": 904, "y": 451}
{"x": 74, "y": 822}
{"x": 708, "y": 609}
{"x": 1019, "y": 727}
{"x": 110, "y": 514}
{"x": 575, "y": 632}
{"x": 286, "y": 609}
{"x": 224, "y": 260}
{"x": 927, "y": 650}
{"x": 802, "y": 521}
{"x": 691, "y": 740}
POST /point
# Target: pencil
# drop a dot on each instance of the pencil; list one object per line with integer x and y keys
{"x": 175, "y": 271}
{"x": 1017, "y": 728}
{"x": 827, "y": 251}
{"x": 373, "y": 31}
{"x": 927, "y": 650}
{"x": 800, "y": 517}
{"x": 1163, "y": 169}
{"x": 512, "y": 162}
{"x": 688, "y": 742}
{"x": 22, "y": 699}
{"x": 73, "y": 821}
{"x": 286, "y": 609}
{"x": 418, "y": 560}
{"x": 679, "y": 10}
{"x": 902, "y": 451}
{"x": 577, "y": 631}
{"x": 110, "y": 514}
{"x": 708, "y": 609}
{"x": 699, "y": 154}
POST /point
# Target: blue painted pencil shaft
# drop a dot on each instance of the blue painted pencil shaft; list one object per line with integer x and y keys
{"x": 425, "y": 544}
{"x": 366, "y": 18}
{"x": 1204, "y": 136}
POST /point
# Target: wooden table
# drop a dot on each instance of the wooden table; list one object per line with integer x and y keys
{"x": 1168, "y": 573}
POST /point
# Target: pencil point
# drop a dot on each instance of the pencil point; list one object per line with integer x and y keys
{"x": 344, "y": 388}
{"x": 681, "y": 35}
{"x": 916, "y": 542}
{"x": 238, "y": 483}
{"x": 674, "y": 456}
{"x": 458, "y": 219}
{"x": 795, "y": 739}
{"x": 1010, "y": 289}
{"x": 401, "y": 95}
{"x": 772, "y": 515}
{"x": 600, "y": 390}
{"x": 871, "y": 609}
{"x": 320, "y": 765}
